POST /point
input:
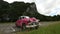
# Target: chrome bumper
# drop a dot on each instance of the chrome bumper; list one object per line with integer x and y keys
{"x": 31, "y": 26}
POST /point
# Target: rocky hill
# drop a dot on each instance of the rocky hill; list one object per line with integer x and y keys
{"x": 12, "y": 11}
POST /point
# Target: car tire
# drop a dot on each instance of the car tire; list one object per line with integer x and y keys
{"x": 23, "y": 27}
{"x": 36, "y": 27}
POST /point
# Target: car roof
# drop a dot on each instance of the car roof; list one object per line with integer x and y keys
{"x": 25, "y": 16}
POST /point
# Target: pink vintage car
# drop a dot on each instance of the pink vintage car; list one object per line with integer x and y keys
{"x": 26, "y": 22}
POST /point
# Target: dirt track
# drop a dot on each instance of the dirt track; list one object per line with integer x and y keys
{"x": 7, "y": 26}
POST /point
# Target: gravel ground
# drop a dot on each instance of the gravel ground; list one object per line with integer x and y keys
{"x": 6, "y": 28}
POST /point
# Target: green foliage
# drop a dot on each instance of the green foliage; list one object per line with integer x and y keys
{"x": 16, "y": 9}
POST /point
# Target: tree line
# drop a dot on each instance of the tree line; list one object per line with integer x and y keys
{"x": 12, "y": 11}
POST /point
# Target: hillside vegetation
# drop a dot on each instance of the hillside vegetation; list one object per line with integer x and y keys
{"x": 10, "y": 12}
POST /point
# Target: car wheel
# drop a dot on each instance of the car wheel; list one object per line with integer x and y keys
{"x": 36, "y": 27}
{"x": 23, "y": 27}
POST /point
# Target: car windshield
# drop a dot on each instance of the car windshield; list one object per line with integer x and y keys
{"x": 24, "y": 17}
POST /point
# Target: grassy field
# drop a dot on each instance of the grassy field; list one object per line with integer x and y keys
{"x": 50, "y": 29}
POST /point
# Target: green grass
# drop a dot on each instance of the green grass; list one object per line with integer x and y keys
{"x": 50, "y": 29}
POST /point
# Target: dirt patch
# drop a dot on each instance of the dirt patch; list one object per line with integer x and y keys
{"x": 6, "y": 28}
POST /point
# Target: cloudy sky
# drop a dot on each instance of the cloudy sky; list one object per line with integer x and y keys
{"x": 45, "y": 7}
